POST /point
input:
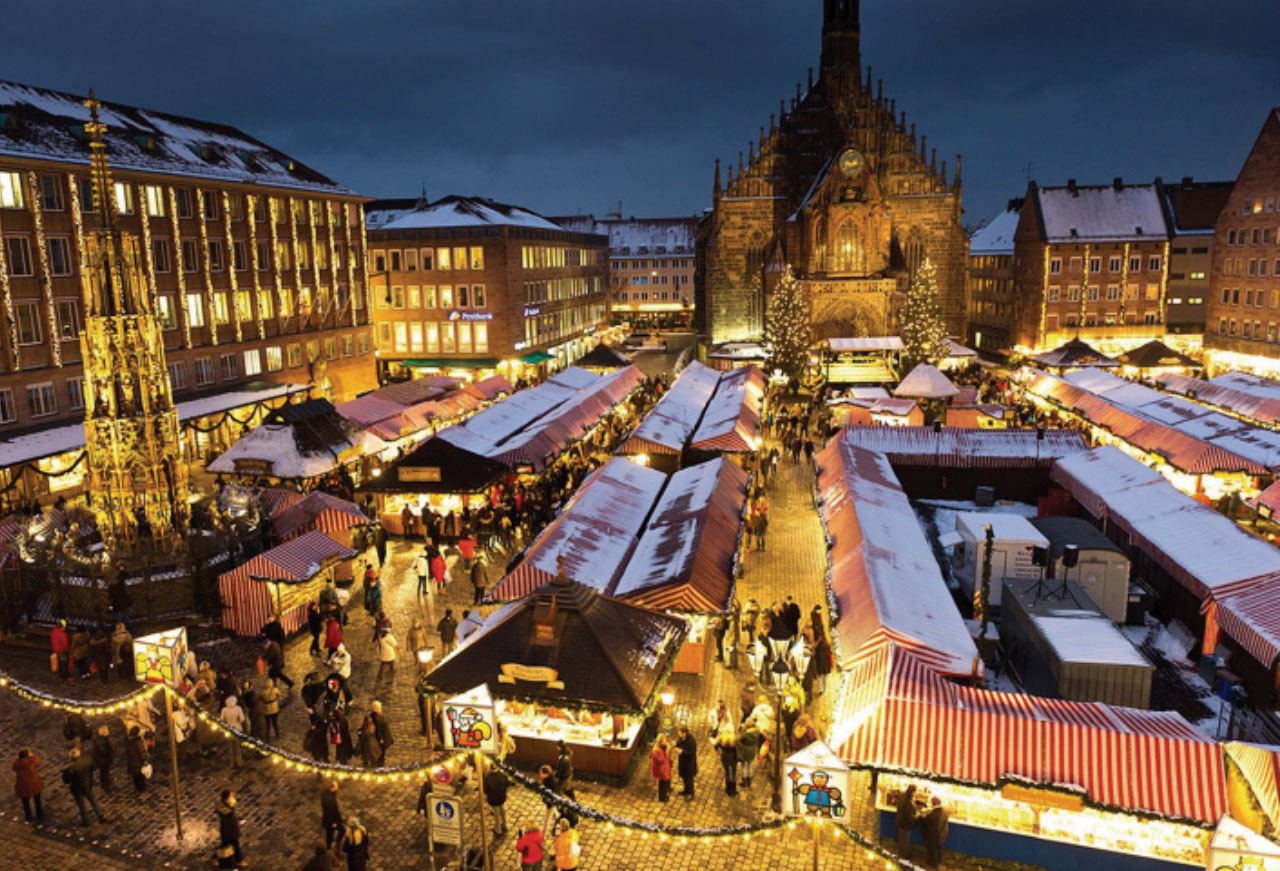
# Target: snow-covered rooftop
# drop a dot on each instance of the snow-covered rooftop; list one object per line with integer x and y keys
{"x": 997, "y": 237}
{"x": 456, "y": 211}
{"x": 1102, "y": 212}
{"x": 48, "y": 125}
{"x": 1085, "y": 637}
{"x": 673, "y": 419}
{"x": 1004, "y": 526}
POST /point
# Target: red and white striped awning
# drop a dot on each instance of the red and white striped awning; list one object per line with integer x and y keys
{"x": 296, "y": 560}
{"x": 274, "y": 500}
{"x": 318, "y": 511}
{"x": 731, "y": 422}
{"x": 637, "y": 445}
{"x": 1251, "y": 616}
{"x": 1145, "y": 761}
{"x": 1261, "y": 769}
{"x": 489, "y": 388}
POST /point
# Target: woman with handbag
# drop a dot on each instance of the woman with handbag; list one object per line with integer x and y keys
{"x": 137, "y": 759}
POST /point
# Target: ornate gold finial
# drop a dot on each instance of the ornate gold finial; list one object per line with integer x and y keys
{"x": 96, "y": 131}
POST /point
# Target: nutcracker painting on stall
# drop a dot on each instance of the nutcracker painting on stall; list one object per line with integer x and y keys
{"x": 470, "y": 721}
{"x": 817, "y": 784}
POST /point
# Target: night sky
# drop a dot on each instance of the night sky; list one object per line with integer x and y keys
{"x": 566, "y": 105}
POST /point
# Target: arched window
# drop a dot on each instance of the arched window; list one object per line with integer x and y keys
{"x": 848, "y": 255}
{"x": 913, "y": 252}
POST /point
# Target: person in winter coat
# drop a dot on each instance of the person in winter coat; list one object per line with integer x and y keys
{"x": 78, "y": 776}
{"x": 208, "y": 676}
{"x": 229, "y": 825}
{"x": 529, "y": 846}
{"x": 355, "y": 843}
{"x": 567, "y": 848}
{"x": 822, "y": 657}
{"x": 60, "y": 646}
{"x": 727, "y": 747}
{"x": 802, "y": 734}
{"x": 417, "y": 638}
{"x": 370, "y": 748}
{"x": 496, "y": 784}
{"x": 934, "y": 827}
{"x": 103, "y": 755}
{"x": 373, "y": 597}
{"x": 660, "y": 768}
{"x": 76, "y": 728}
{"x": 421, "y": 569}
{"x": 905, "y": 817}
{"x": 439, "y": 572}
{"x": 122, "y": 652}
{"x": 340, "y": 661}
{"x": 233, "y": 716}
{"x": 255, "y": 713}
{"x": 479, "y": 579}
{"x": 270, "y": 697}
{"x": 547, "y": 779}
{"x": 564, "y": 769}
{"x": 273, "y": 656}
{"x": 315, "y": 625}
{"x": 686, "y": 760}
{"x": 340, "y": 737}
{"x": 27, "y": 784}
{"x": 749, "y": 743}
{"x": 387, "y": 645}
{"x": 332, "y": 635}
{"x": 383, "y": 726}
{"x": 330, "y": 814}
{"x": 100, "y": 656}
{"x": 448, "y": 629}
{"x": 136, "y": 756}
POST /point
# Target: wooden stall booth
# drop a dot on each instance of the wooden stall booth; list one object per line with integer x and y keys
{"x": 282, "y": 581}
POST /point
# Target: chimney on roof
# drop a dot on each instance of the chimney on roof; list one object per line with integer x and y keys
{"x": 1071, "y": 185}
{"x": 545, "y": 614}
{"x": 1117, "y": 183}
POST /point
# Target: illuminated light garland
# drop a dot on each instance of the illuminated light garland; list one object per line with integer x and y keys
{"x": 210, "y": 309}
{"x": 14, "y": 348}
{"x": 251, "y": 203}
{"x": 364, "y": 254}
{"x": 77, "y": 223}
{"x": 273, "y": 215}
{"x": 333, "y": 262}
{"x": 178, "y": 269}
{"x": 297, "y": 260}
{"x": 312, "y": 211}
{"x": 147, "y": 254}
{"x": 49, "y": 700}
{"x": 46, "y": 277}
{"x": 351, "y": 266}
{"x": 230, "y": 262}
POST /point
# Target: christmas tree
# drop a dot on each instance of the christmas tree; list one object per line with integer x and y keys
{"x": 923, "y": 331}
{"x": 786, "y": 326}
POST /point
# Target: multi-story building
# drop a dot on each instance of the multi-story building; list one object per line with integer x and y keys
{"x": 1242, "y": 329}
{"x": 1090, "y": 262}
{"x": 254, "y": 263}
{"x": 989, "y": 303}
{"x": 650, "y": 268}
{"x": 472, "y": 286}
{"x": 1192, "y": 208}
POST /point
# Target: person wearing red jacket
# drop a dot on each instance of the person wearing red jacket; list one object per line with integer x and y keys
{"x": 529, "y": 846}
{"x": 332, "y": 635}
{"x": 439, "y": 570}
{"x": 60, "y": 644}
{"x": 660, "y": 768}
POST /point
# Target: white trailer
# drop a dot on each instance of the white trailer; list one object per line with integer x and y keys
{"x": 1011, "y": 550}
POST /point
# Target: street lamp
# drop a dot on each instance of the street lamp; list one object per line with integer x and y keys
{"x": 778, "y": 675}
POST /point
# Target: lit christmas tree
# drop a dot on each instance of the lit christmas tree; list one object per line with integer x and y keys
{"x": 923, "y": 331}
{"x": 786, "y": 326}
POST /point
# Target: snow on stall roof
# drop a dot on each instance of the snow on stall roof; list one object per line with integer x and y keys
{"x": 867, "y": 343}
{"x": 1102, "y": 212}
{"x": 482, "y": 432}
{"x": 925, "y": 382}
{"x": 997, "y": 237}
{"x": 966, "y": 447}
{"x": 1085, "y": 637}
{"x": 1256, "y": 385}
{"x": 673, "y": 419}
{"x": 1005, "y": 527}
{"x": 457, "y": 211}
{"x": 275, "y": 442}
{"x": 44, "y": 120}
{"x": 734, "y": 407}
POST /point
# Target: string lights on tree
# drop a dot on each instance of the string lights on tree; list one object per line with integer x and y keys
{"x": 787, "y": 326}
{"x": 924, "y": 332}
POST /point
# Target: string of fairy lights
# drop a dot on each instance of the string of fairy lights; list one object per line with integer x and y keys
{"x": 640, "y": 829}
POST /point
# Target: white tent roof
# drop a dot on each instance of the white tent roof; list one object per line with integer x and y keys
{"x": 925, "y": 382}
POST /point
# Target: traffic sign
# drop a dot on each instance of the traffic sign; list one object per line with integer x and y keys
{"x": 446, "y": 821}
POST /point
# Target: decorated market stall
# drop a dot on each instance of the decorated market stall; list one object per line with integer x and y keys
{"x": 282, "y": 581}
{"x": 1259, "y": 407}
{"x": 304, "y": 441}
{"x": 862, "y": 360}
{"x": 1075, "y": 354}
{"x": 438, "y": 475}
{"x": 663, "y": 435}
{"x": 568, "y": 663}
{"x": 1155, "y": 358}
{"x": 925, "y": 382}
{"x": 603, "y": 358}
{"x": 731, "y": 422}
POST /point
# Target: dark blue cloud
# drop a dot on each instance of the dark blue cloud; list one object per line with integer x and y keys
{"x": 565, "y": 104}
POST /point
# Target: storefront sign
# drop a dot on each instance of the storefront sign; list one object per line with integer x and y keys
{"x": 446, "y": 821}
{"x": 458, "y": 315}
{"x": 1042, "y": 797}
{"x": 253, "y": 466}
{"x": 532, "y": 311}
{"x": 161, "y": 657}
{"x": 817, "y": 784}
{"x": 470, "y": 721}
{"x": 512, "y": 672}
{"x": 420, "y": 474}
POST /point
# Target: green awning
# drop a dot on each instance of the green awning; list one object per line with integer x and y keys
{"x": 535, "y": 357}
{"x": 482, "y": 363}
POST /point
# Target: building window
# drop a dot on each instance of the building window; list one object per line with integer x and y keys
{"x": 160, "y": 255}
{"x": 244, "y": 306}
{"x": 240, "y": 255}
{"x": 442, "y": 258}
{"x": 464, "y": 338}
{"x": 481, "y": 336}
{"x": 459, "y": 258}
{"x": 211, "y": 208}
{"x": 282, "y": 254}
{"x": 428, "y": 259}
{"x": 1114, "y": 263}
{"x": 51, "y": 194}
{"x": 275, "y": 359}
{"x": 11, "y": 191}
{"x": 124, "y": 198}
{"x": 1095, "y": 264}
{"x": 477, "y": 258}
{"x": 402, "y": 336}
{"x": 167, "y": 319}
{"x": 464, "y": 296}
{"x": 185, "y": 207}
{"x": 1073, "y": 294}
{"x": 42, "y": 399}
{"x": 294, "y": 352}
{"x": 87, "y": 204}
{"x": 264, "y": 256}
{"x": 75, "y": 394}
{"x": 216, "y": 263}
{"x": 8, "y": 414}
{"x": 155, "y": 200}
{"x": 59, "y": 255}
{"x": 348, "y": 346}
{"x": 221, "y": 313}
{"x": 190, "y": 256}
{"x": 266, "y": 305}
{"x": 395, "y": 261}
{"x": 1135, "y": 264}
{"x": 204, "y": 370}
{"x": 18, "y": 250}
{"x": 331, "y": 348}
{"x": 1113, "y": 292}
{"x": 236, "y": 202}
{"x": 411, "y": 260}
{"x": 429, "y": 296}
{"x": 178, "y": 375}
{"x": 446, "y": 297}
{"x": 433, "y": 336}
{"x": 28, "y": 315}
{"x": 229, "y": 364}
{"x": 384, "y": 336}
{"x": 397, "y": 297}
{"x": 1054, "y": 294}
{"x": 68, "y": 311}
{"x": 448, "y": 341}
{"x": 1153, "y": 291}
{"x": 195, "y": 310}
{"x": 1153, "y": 263}
{"x": 252, "y": 362}
{"x": 477, "y": 296}
{"x": 366, "y": 342}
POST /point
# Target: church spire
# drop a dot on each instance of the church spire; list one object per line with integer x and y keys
{"x": 841, "y": 65}
{"x": 99, "y": 168}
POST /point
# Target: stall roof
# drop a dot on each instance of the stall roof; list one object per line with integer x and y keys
{"x": 1087, "y": 637}
{"x": 1261, "y": 768}
{"x": 305, "y": 440}
{"x": 1252, "y": 618}
{"x": 925, "y": 382}
{"x": 964, "y": 448}
{"x": 297, "y": 560}
{"x": 1156, "y": 354}
{"x": 1073, "y": 354}
{"x": 1255, "y": 385}
{"x": 605, "y": 653}
{"x": 866, "y": 343}
{"x": 603, "y": 357}
{"x": 1005, "y": 527}
{"x": 884, "y": 576}
{"x": 320, "y": 511}
{"x": 685, "y": 559}
{"x": 667, "y": 427}
{"x": 1260, "y": 408}
{"x": 1061, "y": 531}
{"x": 903, "y": 716}
{"x": 731, "y": 422}
{"x": 595, "y": 533}
{"x": 437, "y": 466}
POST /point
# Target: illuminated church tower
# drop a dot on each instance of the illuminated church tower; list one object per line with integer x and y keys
{"x": 136, "y": 479}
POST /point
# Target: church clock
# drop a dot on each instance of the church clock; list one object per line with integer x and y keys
{"x": 851, "y": 162}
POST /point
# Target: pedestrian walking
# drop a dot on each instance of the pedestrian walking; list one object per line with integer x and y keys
{"x": 270, "y": 697}
{"x": 750, "y": 743}
{"x": 567, "y": 847}
{"x": 122, "y": 652}
{"x": 422, "y": 568}
{"x": 905, "y": 817}
{"x": 660, "y": 768}
{"x": 479, "y": 579}
{"x": 530, "y": 847}
{"x": 229, "y": 826}
{"x": 727, "y": 747}
{"x": 330, "y": 814}
{"x": 28, "y": 785}
{"x": 547, "y": 778}
{"x": 103, "y": 755}
{"x": 367, "y": 741}
{"x": 137, "y": 759}
{"x": 373, "y": 597}
{"x": 383, "y": 726}
{"x": 273, "y": 630}
{"x": 448, "y": 629}
{"x": 387, "y": 646}
{"x": 60, "y": 650}
{"x": 233, "y": 716}
{"x": 78, "y": 776}
{"x": 791, "y": 616}
{"x": 496, "y": 784}
{"x": 686, "y": 761}
{"x": 255, "y": 714}
{"x": 417, "y": 638}
{"x": 332, "y": 635}
{"x": 564, "y": 770}
{"x": 934, "y": 828}
{"x": 355, "y": 844}
{"x": 340, "y": 662}
{"x": 273, "y": 655}
{"x": 439, "y": 571}
{"x": 315, "y": 625}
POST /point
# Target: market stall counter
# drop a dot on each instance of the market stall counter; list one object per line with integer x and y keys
{"x": 566, "y": 662}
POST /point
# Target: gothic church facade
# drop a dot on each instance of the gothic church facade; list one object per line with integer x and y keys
{"x": 840, "y": 189}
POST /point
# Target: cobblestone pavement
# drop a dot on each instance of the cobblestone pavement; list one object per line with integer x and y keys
{"x": 279, "y": 807}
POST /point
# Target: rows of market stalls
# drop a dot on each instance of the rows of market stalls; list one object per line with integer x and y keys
{"x": 1062, "y": 779}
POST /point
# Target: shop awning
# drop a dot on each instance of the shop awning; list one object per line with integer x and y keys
{"x": 1251, "y": 616}
{"x": 667, "y": 427}
{"x": 902, "y": 716}
{"x": 965, "y": 448}
{"x": 318, "y": 511}
{"x": 1261, "y": 769}
{"x": 533, "y": 358}
{"x": 275, "y": 500}
{"x": 450, "y": 363}
{"x": 438, "y": 466}
{"x": 295, "y": 561}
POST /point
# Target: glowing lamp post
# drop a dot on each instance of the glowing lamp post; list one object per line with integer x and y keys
{"x": 161, "y": 658}
{"x": 470, "y": 722}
